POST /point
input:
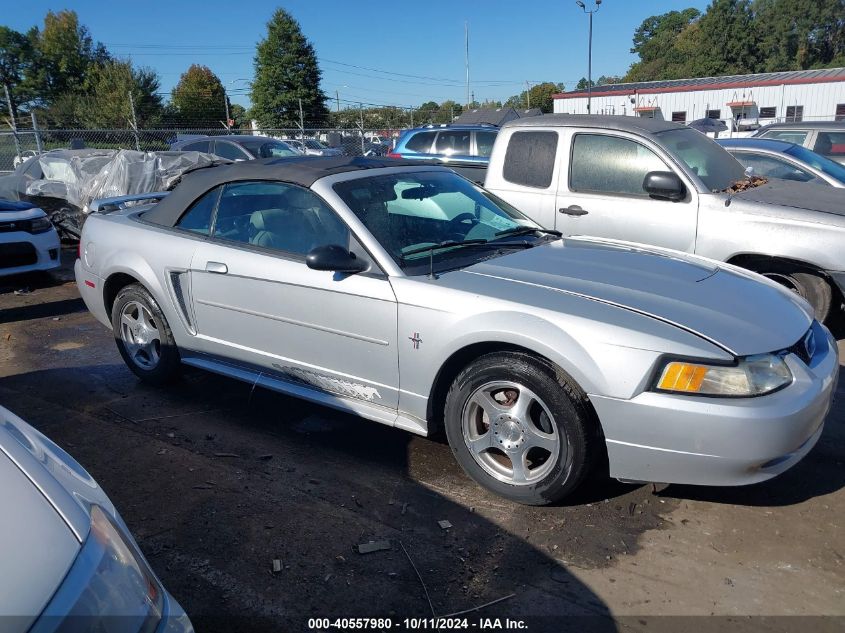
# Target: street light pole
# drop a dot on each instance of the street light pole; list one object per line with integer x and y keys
{"x": 589, "y": 53}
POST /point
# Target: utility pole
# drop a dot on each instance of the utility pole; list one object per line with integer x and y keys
{"x": 361, "y": 114}
{"x": 35, "y": 129}
{"x": 301, "y": 121}
{"x": 134, "y": 122}
{"x": 226, "y": 103}
{"x": 466, "y": 56}
{"x": 337, "y": 98}
{"x": 12, "y": 122}
{"x": 589, "y": 53}
{"x": 528, "y": 93}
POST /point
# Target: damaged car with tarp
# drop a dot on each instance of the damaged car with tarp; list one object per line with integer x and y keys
{"x": 64, "y": 182}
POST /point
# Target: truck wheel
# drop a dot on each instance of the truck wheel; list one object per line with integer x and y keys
{"x": 143, "y": 336}
{"x": 520, "y": 428}
{"x": 814, "y": 288}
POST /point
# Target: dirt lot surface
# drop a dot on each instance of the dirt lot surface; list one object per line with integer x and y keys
{"x": 217, "y": 481}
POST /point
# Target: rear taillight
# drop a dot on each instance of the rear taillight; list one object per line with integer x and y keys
{"x": 79, "y": 250}
{"x": 393, "y": 155}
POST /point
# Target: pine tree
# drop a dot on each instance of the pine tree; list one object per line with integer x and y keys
{"x": 286, "y": 71}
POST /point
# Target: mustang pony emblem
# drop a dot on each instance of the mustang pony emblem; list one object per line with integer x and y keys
{"x": 416, "y": 340}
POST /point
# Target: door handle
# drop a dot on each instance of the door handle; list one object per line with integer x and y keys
{"x": 218, "y": 268}
{"x": 574, "y": 210}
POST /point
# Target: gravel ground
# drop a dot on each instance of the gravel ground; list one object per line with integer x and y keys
{"x": 218, "y": 481}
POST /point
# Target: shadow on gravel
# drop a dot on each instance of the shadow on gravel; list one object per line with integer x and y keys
{"x": 41, "y": 310}
{"x": 219, "y": 482}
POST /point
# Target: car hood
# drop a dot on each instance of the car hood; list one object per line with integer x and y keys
{"x": 738, "y": 311}
{"x": 797, "y": 195}
{"x": 36, "y": 546}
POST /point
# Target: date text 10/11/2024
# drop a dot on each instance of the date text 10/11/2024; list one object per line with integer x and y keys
{"x": 411, "y": 624}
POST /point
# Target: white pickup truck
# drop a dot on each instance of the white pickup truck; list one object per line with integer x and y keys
{"x": 664, "y": 184}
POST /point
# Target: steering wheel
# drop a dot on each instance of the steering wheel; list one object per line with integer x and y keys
{"x": 461, "y": 224}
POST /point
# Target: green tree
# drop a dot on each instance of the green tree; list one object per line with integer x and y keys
{"x": 795, "y": 36}
{"x": 583, "y": 84}
{"x": 65, "y": 52}
{"x": 286, "y": 71}
{"x": 199, "y": 99}
{"x": 728, "y": 42}
{"x": 16, "y": 60}
{"x": 240, "y": 115}
{"x": 655, "y": 41}
{"x": 105, "y": 102}
{"x": 541, "y": 96}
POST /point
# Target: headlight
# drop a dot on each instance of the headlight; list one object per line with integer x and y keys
{"x": 40, "y": 225}
{"x": 109, "y": 588}
{"x": 751, "y": 376}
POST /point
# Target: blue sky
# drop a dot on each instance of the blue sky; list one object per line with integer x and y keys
{"x": 535, "y": 40}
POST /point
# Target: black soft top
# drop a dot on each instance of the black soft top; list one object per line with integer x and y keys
{"x": 300, "y": 170}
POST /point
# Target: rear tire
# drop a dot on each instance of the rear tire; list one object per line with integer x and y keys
{"x": 814, "y": 288}
{"x": 520, "y": 427}
{"x": 143, "y": 336}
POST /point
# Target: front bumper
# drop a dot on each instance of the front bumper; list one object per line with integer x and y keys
{"x": 45, "y": 247}
{"x": 721, "y": 441}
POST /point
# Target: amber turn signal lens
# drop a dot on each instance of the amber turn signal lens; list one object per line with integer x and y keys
{"x": 682, "y": 377}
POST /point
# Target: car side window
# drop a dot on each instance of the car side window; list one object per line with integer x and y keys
{"x": 530, "y": 159}
{"x": 420, "y": 142}
{"x": 611, "y": 165}
{"x": 830, "y": 143}
{"x": 772, "y": 167}
{"x": 277, "y": 216}
{"x": 224, "y": 149}
{"x": 197, "y": 218}
{"x": 452, "y": 143}
{"x": 790, "y": 136}
{"x": 484, "y": 142}
{"x": 199, "y": 146}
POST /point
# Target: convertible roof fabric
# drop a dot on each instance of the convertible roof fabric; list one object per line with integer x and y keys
{"x": 301, "y": 170}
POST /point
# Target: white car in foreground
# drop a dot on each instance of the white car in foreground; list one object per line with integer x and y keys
{"x": 28, "y": 240}
{"x": 68, "y": 560}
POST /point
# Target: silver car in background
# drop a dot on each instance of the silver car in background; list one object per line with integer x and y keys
{"x": 772, "y": 158}
{"x": 412, "y": 297}
{"x": 67, "y": 558}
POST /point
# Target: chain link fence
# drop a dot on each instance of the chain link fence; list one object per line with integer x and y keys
{"x": 17, "y": 145}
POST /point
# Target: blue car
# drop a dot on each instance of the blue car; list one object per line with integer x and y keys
{"x": 468, "y": 144}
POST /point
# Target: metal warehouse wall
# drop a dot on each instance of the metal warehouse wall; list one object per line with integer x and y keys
{"x": 819, "y": 101}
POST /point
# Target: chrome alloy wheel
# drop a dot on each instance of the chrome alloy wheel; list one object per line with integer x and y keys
{"x": 140, "y": 335}
{"x": 511, "y": 433}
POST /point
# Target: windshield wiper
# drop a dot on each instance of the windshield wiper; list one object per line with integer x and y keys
{"x": 440, "y": 245}
{"x": 525, "y": 230}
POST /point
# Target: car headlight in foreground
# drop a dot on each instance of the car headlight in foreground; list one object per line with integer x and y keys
{"x": 109, "y": 586}
{"x": 751, "y": 376}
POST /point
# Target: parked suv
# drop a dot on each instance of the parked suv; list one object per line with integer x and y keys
{"x": 823, "y": 137}
{"x": 447, "y": 143}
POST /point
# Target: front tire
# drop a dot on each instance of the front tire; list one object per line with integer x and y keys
{"x": 814, "y": 288}
{"x": 143, "y": 336}
{"x": 520, "y": 427}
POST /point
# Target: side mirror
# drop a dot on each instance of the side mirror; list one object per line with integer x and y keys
{"x": 664, "y": 185}
{"x": 335, "y": 258}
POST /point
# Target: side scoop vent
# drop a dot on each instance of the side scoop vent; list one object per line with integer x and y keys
{"x": 180, "y": 285}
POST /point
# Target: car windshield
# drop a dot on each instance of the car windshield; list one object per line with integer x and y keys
{"x": 822, "y": 163}
{"x": 312, "y": 144}
{"x": 411, "y": 211}
{"x": 268, "y": 149}
{"x": 716, "y": 168}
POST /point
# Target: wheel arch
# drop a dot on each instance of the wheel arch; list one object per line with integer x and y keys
{"x": 461, "y": 358}
{"x": 759, "y": 262}
{"x": 113, "y": 284}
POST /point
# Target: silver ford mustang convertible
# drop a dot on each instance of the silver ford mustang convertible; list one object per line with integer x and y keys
{"x": 410, "y": 296}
